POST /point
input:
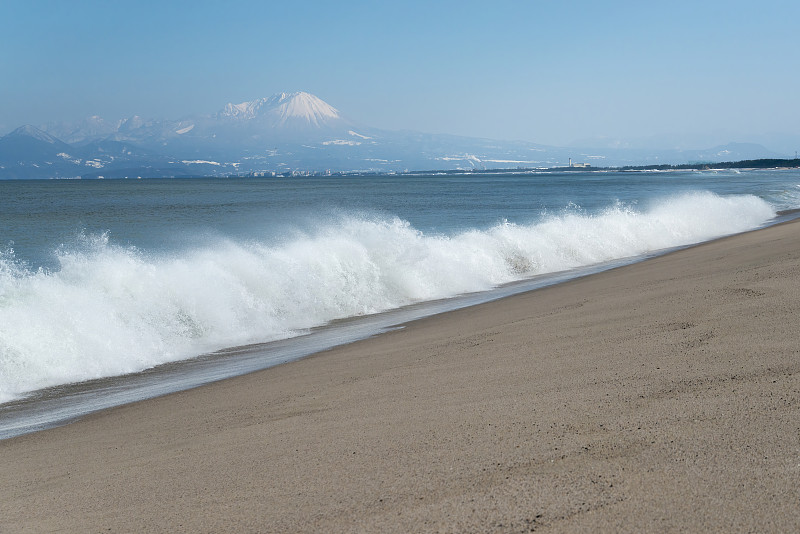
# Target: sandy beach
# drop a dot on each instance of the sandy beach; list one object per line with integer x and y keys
{"x": 658, "y": 397}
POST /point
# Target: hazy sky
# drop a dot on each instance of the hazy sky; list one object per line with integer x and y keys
{"x": 545, "y": 71}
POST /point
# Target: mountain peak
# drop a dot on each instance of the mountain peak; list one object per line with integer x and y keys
{"x": 282, "y": 108}
{"x": 34, "y": 132}
{"x": 244, "y": 111}
{"x": 130, "y": 124}
{"x": 302, "y": 106}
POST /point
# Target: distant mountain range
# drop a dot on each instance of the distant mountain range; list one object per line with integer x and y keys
{"x": 293, "y": 133}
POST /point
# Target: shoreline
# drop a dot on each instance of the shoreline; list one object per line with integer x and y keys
{"x": 66, "y": 403}
{"x": 660, "y": 395}
{"x": 63, "y": 404}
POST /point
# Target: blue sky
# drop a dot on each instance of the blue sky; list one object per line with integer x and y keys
{"x": 543, "y": 71}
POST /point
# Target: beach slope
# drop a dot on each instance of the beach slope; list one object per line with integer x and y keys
{"x": 660, "y": 396}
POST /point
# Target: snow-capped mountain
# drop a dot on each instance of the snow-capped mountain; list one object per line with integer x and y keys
{"x": 290, "y": 132}
{"x": 284, "y": 108}
{"x": 29, "y": 147}
{"x": 93, "y": 127}
{"x": 240, "y": 130}
{"x": 29, "y": 152}
{"x": 28, "y": 132}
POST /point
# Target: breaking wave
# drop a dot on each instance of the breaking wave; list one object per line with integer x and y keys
{"x": 109, "y": 310}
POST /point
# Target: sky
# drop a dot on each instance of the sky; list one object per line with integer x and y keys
{"x": 546, "y": 71}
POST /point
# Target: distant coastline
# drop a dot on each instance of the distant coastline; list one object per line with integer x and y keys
{"x": 146, "y": 172}
{"x": 766, "y": 163}
{"x": 747, "y": 164}
{"x": 744, "y": 164}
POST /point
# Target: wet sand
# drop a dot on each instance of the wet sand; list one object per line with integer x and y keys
{"x": 660, "y": 396}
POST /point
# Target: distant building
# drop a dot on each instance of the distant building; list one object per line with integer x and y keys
{"x": 578, "y": 165}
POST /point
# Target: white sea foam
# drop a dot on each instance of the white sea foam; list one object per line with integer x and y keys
{"x": 109, "y": 310}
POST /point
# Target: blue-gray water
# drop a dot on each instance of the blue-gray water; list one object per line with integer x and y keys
{"x": 104, "y": 278}
{"x": 162, "y": 216}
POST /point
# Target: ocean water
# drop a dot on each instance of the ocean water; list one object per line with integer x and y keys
{"x": 106, "y": 278}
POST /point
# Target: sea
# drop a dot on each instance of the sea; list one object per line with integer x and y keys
{"x": 112, "y": 291}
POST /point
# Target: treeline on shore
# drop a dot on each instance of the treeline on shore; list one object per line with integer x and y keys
{"x": 744, "y": 164}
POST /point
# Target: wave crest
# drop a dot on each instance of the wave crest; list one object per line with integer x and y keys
{"x": 109, "y": 310}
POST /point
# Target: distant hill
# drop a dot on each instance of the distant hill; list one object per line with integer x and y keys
{"x": 292, "y": 132}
